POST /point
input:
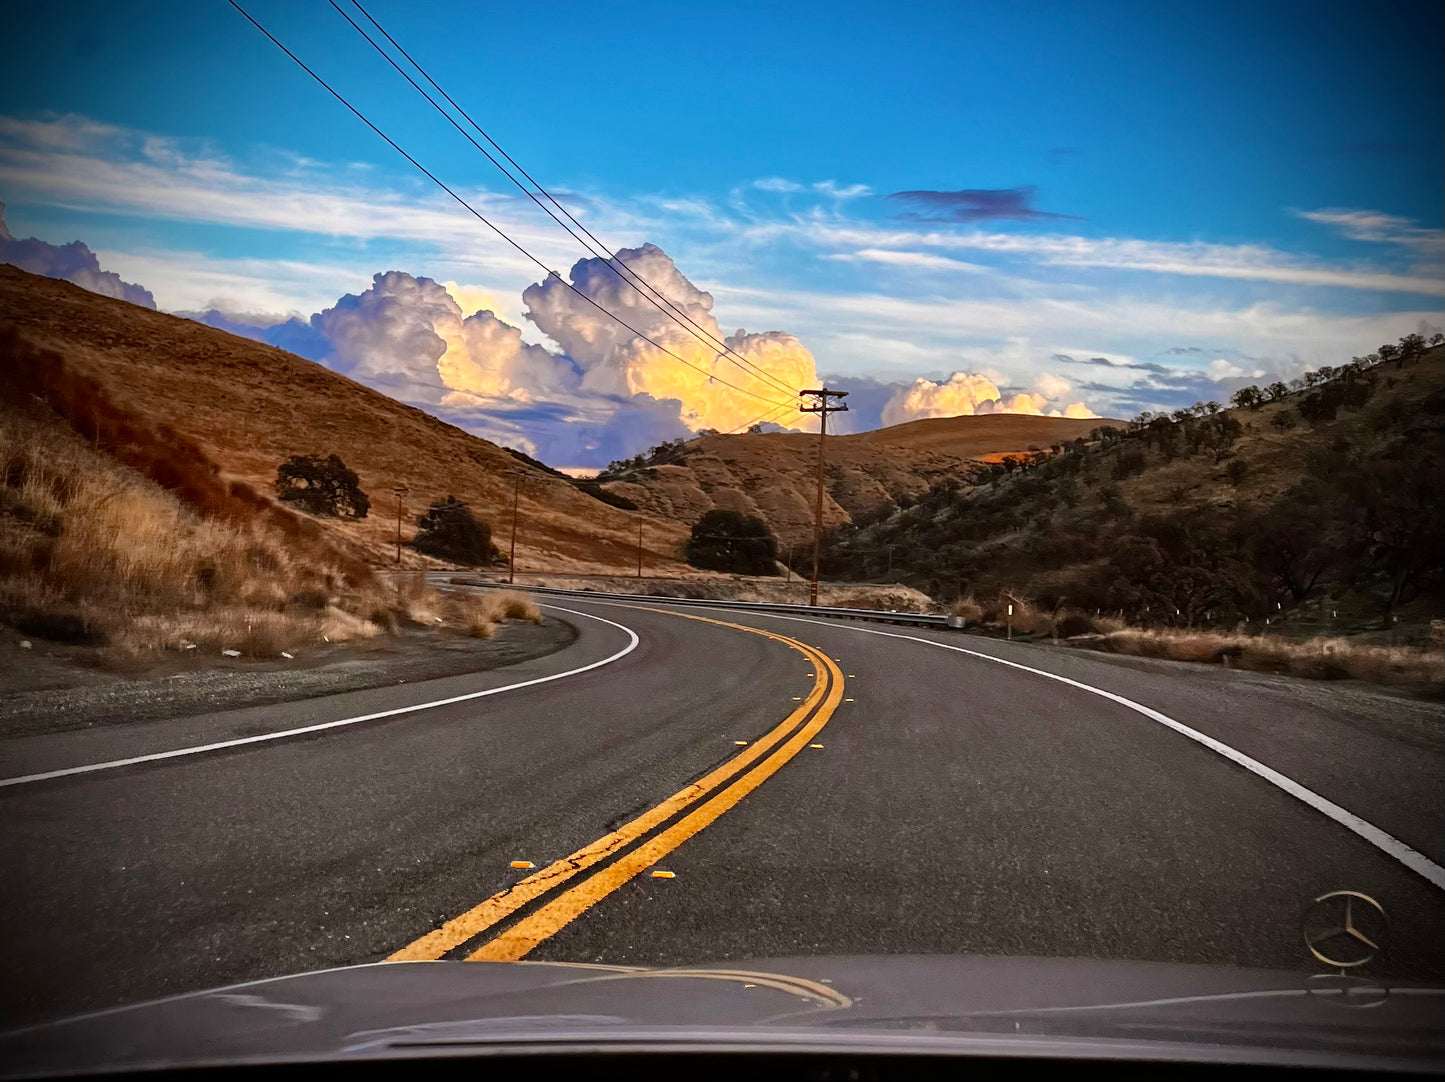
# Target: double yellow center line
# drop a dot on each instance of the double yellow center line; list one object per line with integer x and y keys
{"x": 712, "y": 795}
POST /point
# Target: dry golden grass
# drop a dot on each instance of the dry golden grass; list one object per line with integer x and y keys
{"x": 87, "y": 540}
{"x": 1319, "y": 658}
{"x": 480, "y": 613}
{"x": 515, "y": 606}
{"x": 1027, "y": 618}
{"x": 1331, "y": 658}
{"x": 969, "y": 608}
{"x": 994, "y": 435}
{"x": 92, "y": 552}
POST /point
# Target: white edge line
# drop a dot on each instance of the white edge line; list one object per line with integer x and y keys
{"x": 1411, "y": 858}
{"x": 26, "y": 779}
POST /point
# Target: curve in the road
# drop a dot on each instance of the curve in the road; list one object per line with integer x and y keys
{"x": 1387, "y": 843}
{"x": 732, "y": 781}
{"x": 283, "y": 734}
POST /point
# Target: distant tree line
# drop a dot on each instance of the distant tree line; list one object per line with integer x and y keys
{"x": 666, "y": 453}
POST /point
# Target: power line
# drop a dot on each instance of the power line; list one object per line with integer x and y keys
{"x": 769, "y": 417}
{"x": 611, "y": 260}
{"x": 483, "y": 219}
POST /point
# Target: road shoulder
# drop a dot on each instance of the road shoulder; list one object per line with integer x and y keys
{"x": 162, "y": 693}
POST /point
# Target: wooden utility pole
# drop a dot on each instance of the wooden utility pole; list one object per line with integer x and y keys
{"x": 820, "y": 407}
{"x": 639, "y": 548}
{"x": 512, "y": 555}
{"x": 400, "y": 491}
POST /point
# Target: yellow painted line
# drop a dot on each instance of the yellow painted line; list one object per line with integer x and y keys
{"x": 517, "y": 941}
{"x": 501, "y": 905}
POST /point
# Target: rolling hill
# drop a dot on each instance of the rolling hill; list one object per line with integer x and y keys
{"x": 773, "y": 475}
{"x": 249, "y": 406}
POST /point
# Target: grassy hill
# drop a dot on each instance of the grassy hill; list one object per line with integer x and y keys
{"x": 1319, "y": 506}
{"x": 981, "y": 436}
{"x": 247, "y": 407}
{"x": 773, "y": 475}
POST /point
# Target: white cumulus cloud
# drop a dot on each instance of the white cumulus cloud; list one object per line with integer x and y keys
{"x": 1052, "y": 386}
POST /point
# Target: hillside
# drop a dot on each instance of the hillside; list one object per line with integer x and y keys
{"x": 976, "y": 437}
{"x": 1318, "y": 504}
{"x": 249, "y": 406}
{"x": 773, "y": 475}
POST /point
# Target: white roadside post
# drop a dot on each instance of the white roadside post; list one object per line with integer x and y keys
{"x": 1010, "y": 622}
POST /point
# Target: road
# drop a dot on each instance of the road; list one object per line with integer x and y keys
{"x": 812, "y": 787}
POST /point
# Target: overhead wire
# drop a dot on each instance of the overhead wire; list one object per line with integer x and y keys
{"x": 614, "y": 262}
{"x": 486, "y": 221}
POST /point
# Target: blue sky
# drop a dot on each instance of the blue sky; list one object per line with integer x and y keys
{"x": 1259, "y": 183}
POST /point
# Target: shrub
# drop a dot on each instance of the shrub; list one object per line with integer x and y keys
{"x": 516, "y": 606}
{"x": 969, "y": 608}
{"x": 1283, "y": 419}
{"x": 1236, "y": 471}
{"x": 450, "y": 531}
{"x": 322, "y": 486}
{"x": 730, "y": 541}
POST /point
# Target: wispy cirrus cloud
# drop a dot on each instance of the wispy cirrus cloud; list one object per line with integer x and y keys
{"x": 1239, "y": 262}
{"x": 75, "y": 164}
{"x": 916, "y": 260}
{"x": 1380, "y": 228}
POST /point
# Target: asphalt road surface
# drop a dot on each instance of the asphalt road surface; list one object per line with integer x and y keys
{"x": 803, "y": 786}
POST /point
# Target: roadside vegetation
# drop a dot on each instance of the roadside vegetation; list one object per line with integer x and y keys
{"x": 1316, "y": 657}
{"x": 130, "y": 540}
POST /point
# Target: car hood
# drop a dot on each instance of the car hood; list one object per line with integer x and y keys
{"x": 930, "y": 1004}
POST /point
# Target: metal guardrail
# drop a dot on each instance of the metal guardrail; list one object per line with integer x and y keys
{"x": 914, "y": 619}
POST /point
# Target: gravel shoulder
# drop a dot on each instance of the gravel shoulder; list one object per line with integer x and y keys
{"x": 56, "y": 690}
